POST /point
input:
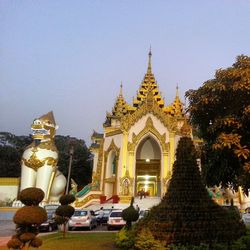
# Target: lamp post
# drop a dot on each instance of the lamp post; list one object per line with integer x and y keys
{"x": 71, "y": 151}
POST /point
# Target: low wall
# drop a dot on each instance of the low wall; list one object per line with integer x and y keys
{"x": 7, "y": 213}
{"x": 9, "y": 188}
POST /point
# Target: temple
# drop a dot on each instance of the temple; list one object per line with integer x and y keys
{"x": 136, "y": 150}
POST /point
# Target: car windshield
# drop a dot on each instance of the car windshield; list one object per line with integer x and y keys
{"x": 116, "y": 214}
{"x": 80, "y": 213}
{"x": 50, "y": 215}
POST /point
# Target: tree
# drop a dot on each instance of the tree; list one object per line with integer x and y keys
{"x": 187, "y": 215}
{"x": 82, "y": 159}
{"x": 28, "y": 219}
{"x": 220, "y": 110}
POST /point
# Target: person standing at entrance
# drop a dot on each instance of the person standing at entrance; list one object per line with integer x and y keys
{"x": 101, "y": 215}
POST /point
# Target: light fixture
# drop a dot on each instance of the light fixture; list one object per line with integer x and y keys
{"x": 147, "y": 160}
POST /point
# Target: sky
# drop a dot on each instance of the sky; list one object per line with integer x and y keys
{"x": 71, "y": 56}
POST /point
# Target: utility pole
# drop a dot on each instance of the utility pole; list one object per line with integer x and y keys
{"x": 71, "y": 151}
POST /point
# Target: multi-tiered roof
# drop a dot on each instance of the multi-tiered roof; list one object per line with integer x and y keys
{"x": 148, "y": 87}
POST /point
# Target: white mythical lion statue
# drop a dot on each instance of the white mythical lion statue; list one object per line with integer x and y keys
{"x": 39, "y": 160}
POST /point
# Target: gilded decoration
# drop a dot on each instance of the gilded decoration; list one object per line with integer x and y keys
{"x": 115, "y": 132}
{"x": 126, "y": 184}
{"x": 81, "y": 203}
{"x": 35, "y": 163}
{"x": 99, "y": 163}
{"x": 149, "y": 106}
{"x": 149, "y": 128}
{"x": 112, "y": 147}
{"x": 49, "y": 145}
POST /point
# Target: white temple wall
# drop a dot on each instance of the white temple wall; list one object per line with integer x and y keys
{"x": 95, "y": 159}
{"x": 140, "y": 125}
{"x": 117, "y": 140}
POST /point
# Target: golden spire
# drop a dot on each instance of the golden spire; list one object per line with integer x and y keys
{"x": 148, "y": 84}
{"x": 176, "y": 108}
{"x": 149, "y": 71}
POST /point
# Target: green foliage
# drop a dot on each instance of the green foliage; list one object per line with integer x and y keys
{"x": 67, "y": 199}
{"x": 130, "y": 214}
{"x": 31, "y": 196}
{"x": 124, "y": 239}
{"x": 145, "y": 240}
{"x": 186, "y": 214}
{"x": 82, "y": 159}
{"x": 220, "y": 110}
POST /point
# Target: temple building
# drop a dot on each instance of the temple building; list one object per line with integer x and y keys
{"x": 136, "y": 150}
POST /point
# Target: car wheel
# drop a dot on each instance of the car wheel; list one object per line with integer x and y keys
{"x": 109, "y": 228}
{"x": 70, "y": 228}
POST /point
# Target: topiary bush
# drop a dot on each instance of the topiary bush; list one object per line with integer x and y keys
{"x": 28, "y": 219}
{"x": 130, "y": 214}
{"x": 65, "y": 211}
{"x": 187, "y": 215}
{"x": 30, "y": 197}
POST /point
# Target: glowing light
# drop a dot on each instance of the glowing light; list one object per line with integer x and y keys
{"x": 146, "y": 177}
{"x": 147, "y": 160}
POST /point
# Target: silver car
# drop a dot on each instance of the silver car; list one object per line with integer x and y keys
{"x": 82, "y": 218}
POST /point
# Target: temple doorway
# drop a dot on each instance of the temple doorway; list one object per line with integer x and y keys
{"x": 148, "y": 162}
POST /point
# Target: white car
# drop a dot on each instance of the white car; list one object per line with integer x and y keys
{"x": 82, "y": 218}
{"x": 246, "y": 216}
{"x": 115, "y": 220}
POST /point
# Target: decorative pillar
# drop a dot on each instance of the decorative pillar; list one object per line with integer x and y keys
{"x": 171, "y": 149}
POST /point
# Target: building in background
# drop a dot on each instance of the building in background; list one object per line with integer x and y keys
{"x": 136, "y": 151}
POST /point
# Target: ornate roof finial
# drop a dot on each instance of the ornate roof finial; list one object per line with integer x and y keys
{"x": 149, "y": 61}
{"x": 177, "y": 91}
{"x": 121, "y": 89}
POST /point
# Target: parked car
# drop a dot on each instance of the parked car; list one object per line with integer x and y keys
{"x": 246, "y": 216}
{"x": 115, "y": 220}
{"x": 82, "y": 218}
{"x": 49, "y": 225}
{"x": 105, "y": 217}
{"x": 143, "y": 213}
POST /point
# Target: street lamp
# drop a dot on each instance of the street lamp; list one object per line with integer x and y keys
{"x": 71, "y": 151}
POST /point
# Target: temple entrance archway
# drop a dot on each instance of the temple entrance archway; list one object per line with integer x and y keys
{"x": 148, "y": 167}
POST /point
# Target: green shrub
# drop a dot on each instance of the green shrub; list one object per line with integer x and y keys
{"x": 130, "y": 214}
{"x": 145, "y": 240}
{"x": 124, "y": 239}
{"x": 242, "y": 244}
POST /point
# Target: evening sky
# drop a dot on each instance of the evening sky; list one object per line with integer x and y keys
{"x": 71, "y": 56}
